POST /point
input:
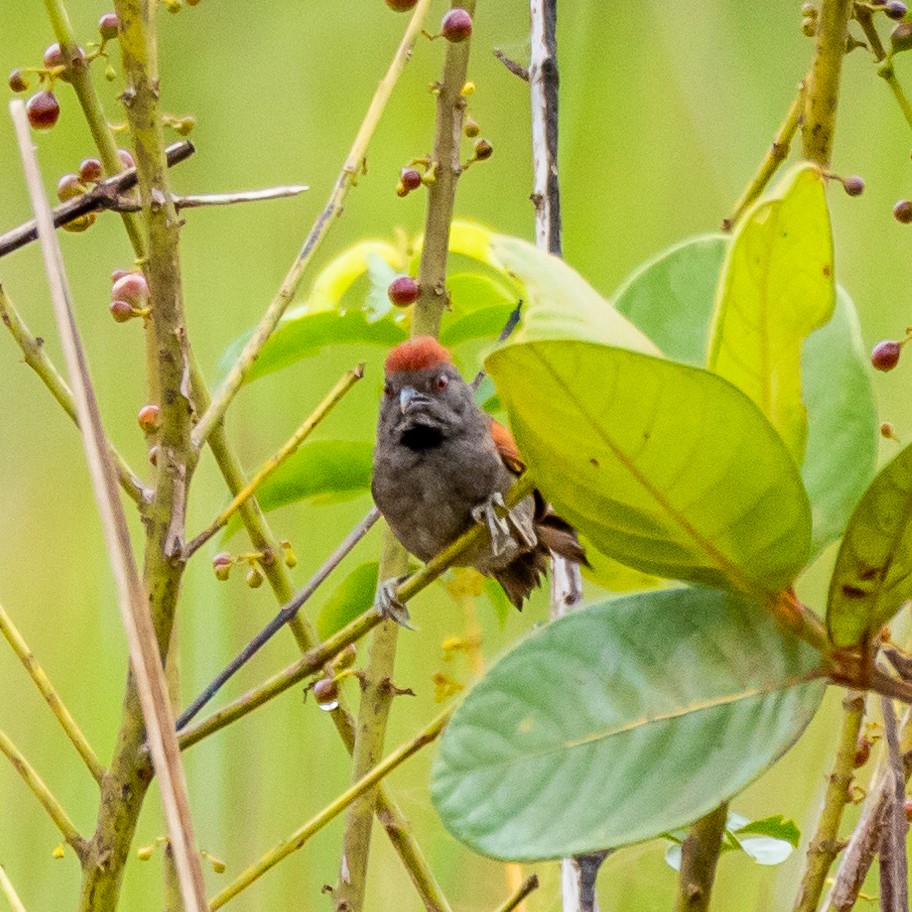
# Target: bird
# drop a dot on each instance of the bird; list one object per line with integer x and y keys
{"x": 441, "y": 464}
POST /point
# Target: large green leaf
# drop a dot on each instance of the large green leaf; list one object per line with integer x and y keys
{"x": 873, "y": 573}
{"x": 622, "y": 721}
{"x": 353, "y": 596}
{"x": 665, "y": 467}
{"x": 776, "y": 288}
{"x": 671, "y": 300}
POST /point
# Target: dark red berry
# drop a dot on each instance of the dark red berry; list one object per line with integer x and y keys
{"x": 90, "y": 171}
{"x": 456, "y": 25}
{"x": 69, "y": 187}
{"x": 403, "y": 291}
{"x": 18, "y": 82}
{"x": 132, "y": 288}
{"x": 483, "y": 149}
{"x": 401, "y": 6}
{"x": 126, "y": 159}
{"x": 902, "y": 211}
{"x": 410, "y": 179}
{"x": 121, "y": 311}
{"x": 895, "y": 9}
{"x": 107, "y": 26}
{"x": 854, "y": 185}
{"x": 43, "y": 110}
{"x": 148, "y": 418}
{"x": 885, "y": 355}
{"x": 901, "y": 36}
{"x": 862, "y": 751}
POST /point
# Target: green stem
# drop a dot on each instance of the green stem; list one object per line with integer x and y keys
{"x": 824, "y": 846}
{"x": 51, "y": 697}
{"x": 823, "y": 80}
{"x": 865, "y": 19}
{"x": 699, "y": 857}
{"x": 363, "y": 784}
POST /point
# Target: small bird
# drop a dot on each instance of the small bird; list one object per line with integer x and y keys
{"x": 442, "y": 464}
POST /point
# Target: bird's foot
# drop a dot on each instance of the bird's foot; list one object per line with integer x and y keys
{"x": 502, "y": 525}
{"x": 389, "y": 606}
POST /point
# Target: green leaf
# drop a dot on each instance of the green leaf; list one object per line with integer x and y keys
{"x": 777, "y": 286}
{"x": 621, "y": 721}
{"x": 671, "y": 300}
{"x": 664, "y": 467}
{"x": 558, "y": 303}
{"x": 485, "y": 323}
{"x": 776, "y": 827}
{"x": 873, "y": 573}
{"x": 354, "y": 595}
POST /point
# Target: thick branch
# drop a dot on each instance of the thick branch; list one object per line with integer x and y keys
{"x": 51, "y": 697}
{"x": 699, "y": 857}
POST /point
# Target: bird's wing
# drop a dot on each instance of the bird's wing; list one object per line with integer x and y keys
{"x": 506, "y": 446}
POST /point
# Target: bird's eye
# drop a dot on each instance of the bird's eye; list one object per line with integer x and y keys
{"x": 442, "y": 382}
{"x": 387, "y": 389}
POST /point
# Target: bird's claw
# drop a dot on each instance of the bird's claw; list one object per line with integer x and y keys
{"x": 390, "y": 607}
{"x": 502, "y": 524}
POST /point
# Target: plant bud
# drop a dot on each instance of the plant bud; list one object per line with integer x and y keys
{"x": 255, "y": 577}
{"x": 69, "y": 187}
{"x": 483, "y": 149}
{"x": 221, "y": 565}
{"x": 471, "y": 128}
{"x": 122, "y": 311}
{"x": 132, "y": 288}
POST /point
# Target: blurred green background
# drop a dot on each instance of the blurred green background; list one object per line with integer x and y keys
{"x": 666, "y": 111}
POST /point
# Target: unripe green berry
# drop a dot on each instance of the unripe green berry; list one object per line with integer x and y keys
{"x": 403, "y": 291}
{"x": 221, "y": 565}
{"x": 885, "y": 355}
{"x": 471, "y": 128}
{"x": 809, "y": 11}
{"x": 69, "y": 187}
{"x": 809, "y": 27}
{"x": 255, "y": 577}
{"x": 456, "y": 25}
{"x": 401, "y": 6}
{"x": 75, "y": 226}
{"x": 108, "y": 25}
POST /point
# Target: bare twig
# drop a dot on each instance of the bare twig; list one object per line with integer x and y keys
{"x": 330, "y": 401}
{"x": 314, "y": 659}
{"x": 37, "y": 359}
{"x": 7, "y": 889}
{"x": 281, "y": 619}
{"x": 775, "y": 156}
{"x": 333, "y": 208}
{"x": 894, "y": 886}
{"x": 517, "y": 69}
{"x": 825, "y": 845}
{"x": 362, "y": 785}
{"x": 106, "y": 195}
{"x": 865, "y": 19}
{"x": 51, "y": 697}
{"x": 530, "y": 885}
{"x": 125, "y": 204}
{"x": 699, "y": 857}
{"x": 141, "y": 637}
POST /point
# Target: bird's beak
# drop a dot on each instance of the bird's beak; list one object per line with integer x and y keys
{"x": 410, "y": 397}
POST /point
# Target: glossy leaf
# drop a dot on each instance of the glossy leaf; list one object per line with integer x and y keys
{"x": 665, "y": 467}
{"x": 671, "y": 300}
{"x": 776, "y": 288}
{"x": 353, "y": 596}
{"x": 621, "y": 721}
{"x": 873, "y": 573}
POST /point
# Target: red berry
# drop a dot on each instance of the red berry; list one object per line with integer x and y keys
{"x": 885, "y": 355}
{"x": 895, "y": 10}
{"x": 43, "y": 110}
{"x": 118, "y": 274}
{"x": 401, "y": 6}
{"x": 853, "y": 185}
{"x": 126, "y": 159}
{"x": 121, "y": 311}
{"x": 410, "y": 179}
{"x": 107, "y": 26}
{"x": 90, "y": 171}
{"x": 132, "y": 288}
{"x": 456, "y": 25}
{"x": 69, "y": 187}
{"x": 148, "y": 418}
{"x": 483, "y": 149}
{"x": 53, "y": 58}
{"x": 403, "y": 291}
{"x": 18, "y": 82}
{"x": 902, "y": 211}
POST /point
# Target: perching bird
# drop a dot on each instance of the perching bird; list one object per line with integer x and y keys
{"x": 442, "y": 464}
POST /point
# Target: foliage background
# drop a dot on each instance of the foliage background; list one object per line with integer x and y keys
{"x": 666, "y": 109}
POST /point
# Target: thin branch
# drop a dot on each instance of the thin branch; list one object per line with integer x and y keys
{"x": 301, "y": 835}
{"x": 865, "y": 19}
{"x": 37, "y": 359}
{"x": 284, "y": 616}
{"x": 578, "y": 877}
{"x": 44, "y": 795}
{"x": 333, "y": 208}
{"x": 314, "y": 659}
{"x": 530, "y": 885}
{"x": 106, "y": 195}
{"x": 699, "y": 857}
{"x": 51, "y": 697}
{"x": 7, "y": 889}
{"x": 329, "y": 402}
{"x": 141, "y": 637}
{"x": 517, "y": 69}
{"x": 775, "y": 156}
{"x": 824, "y": 846}
{"x": 822, "y": 96}
{"x": 894, "y": 875}
{"x": 125, "y": 204}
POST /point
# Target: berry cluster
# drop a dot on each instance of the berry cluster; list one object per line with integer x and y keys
{"x": 224, "y": 561}
{"x": 129, "y": 295}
